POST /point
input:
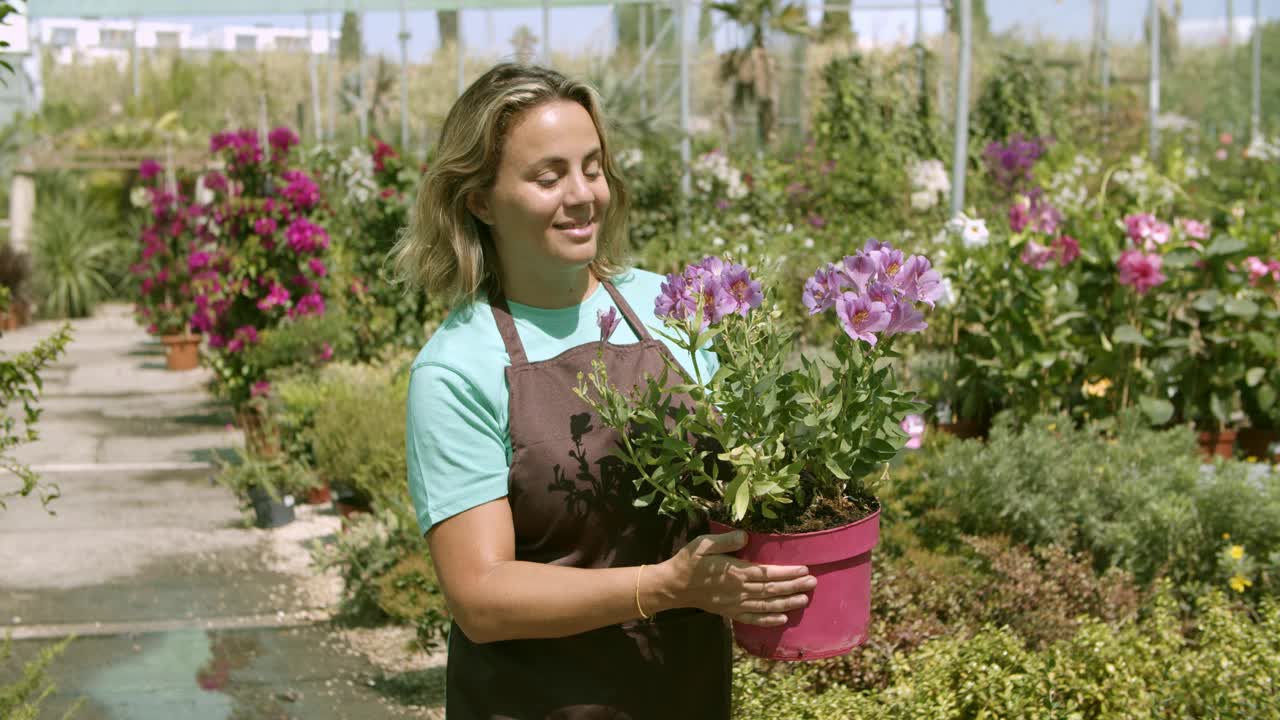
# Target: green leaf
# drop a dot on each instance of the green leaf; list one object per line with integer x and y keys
{"x": 1218, "y": 407}
{"x": 1182, "y": 257}
{"x": 1206, "y": 302}
{"x": 835, "y": 469}
{"x": 1241, "y": 308}
{"x": 1254, "y": 376}
{"x": 1157, "y": 410}
{"x": 1130, "y": 335}
{"x": 741, "y": 499}
{"x": 1068, "y": 317}
{"x": 1266, "y": 398}
{"x": 1224, "y": 245}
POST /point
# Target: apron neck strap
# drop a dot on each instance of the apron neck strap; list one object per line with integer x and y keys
{"x": 507, "y": 328}
{"x": 637, "y": 327}
{"x": 511, "y": 339}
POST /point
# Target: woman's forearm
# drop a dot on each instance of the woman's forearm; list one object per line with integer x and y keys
{"x": 526, "y": 600}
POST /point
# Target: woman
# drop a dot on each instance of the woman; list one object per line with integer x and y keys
{"x": 568, "y": 601}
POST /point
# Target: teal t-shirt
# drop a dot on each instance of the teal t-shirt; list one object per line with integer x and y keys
{"x": 456, "y": 432}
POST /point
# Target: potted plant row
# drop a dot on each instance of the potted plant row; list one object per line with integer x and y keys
{"x": 798, "y": 448}
{"x": 270, "y": 486}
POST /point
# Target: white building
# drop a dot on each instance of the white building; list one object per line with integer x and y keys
{"x": 1201, "y": 32}
{"x": 80, "y": 39}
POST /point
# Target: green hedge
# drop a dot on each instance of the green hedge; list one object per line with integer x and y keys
{"x": 1225, "y": 664}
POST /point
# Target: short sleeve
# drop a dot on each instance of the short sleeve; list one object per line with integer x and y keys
{"x": 455, "y": 446}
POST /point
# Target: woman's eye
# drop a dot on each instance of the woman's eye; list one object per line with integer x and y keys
{"x": 547, "y": 181}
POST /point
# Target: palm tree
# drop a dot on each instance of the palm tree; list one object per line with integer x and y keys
{"x": 750, "y": 71}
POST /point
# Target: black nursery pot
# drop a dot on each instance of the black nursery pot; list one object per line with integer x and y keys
{"x": 271, "y": 513}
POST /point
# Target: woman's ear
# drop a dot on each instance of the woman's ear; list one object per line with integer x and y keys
{"x": 478, "y": 204}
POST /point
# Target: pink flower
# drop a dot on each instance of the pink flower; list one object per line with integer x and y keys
{"x": 281, "y": 139}
{"x": 381, "y": 151}
{"x": 1067, "y": 248}
{"x": 149, "y": 168}
{"x": 198, "y": 260}
{"x": 817, "y": 220}
{"x": 1257, "y": 269}
{"x": 1146, "y": 231}
{"x": 305, "y": 236}
{"x": 262, "y": 388}
{"x": 311, "y": 304}
{"x": 326, "y": 353}
{"x": 215, "y": 181}
{"x": 264, "y": 227}
{"x": 1194, "y": 228}
{"x": 861, "y": 317}
{"x": 278, "y": 296}
{"x": 1140, "y": 270}
{"x": 913, "y": 426}
{"x": 1036, "y": 255}
{"x": 301, "y": 190}
{"x": 318, "y": 267}
{"x": 246, "y": 335}
{"x": 1225, "y": 138}
{"x": 608, "y": 322}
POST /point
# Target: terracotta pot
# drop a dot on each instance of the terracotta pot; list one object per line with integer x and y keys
{"x": 318, "y": 495}
{"x": 1258, "y": 443}
{"x": 835, "y": 621}
{"x": 1217, "y": 443}
{"x": 181, "y": 352}
{"x": 9, "y": 320}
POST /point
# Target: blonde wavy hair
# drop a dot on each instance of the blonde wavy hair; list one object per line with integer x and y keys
{"x": 447, "y": 251}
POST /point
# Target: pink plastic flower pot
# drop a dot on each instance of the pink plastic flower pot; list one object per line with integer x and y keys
{"x": 835, "y": 621}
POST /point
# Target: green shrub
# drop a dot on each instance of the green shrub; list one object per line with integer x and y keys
{"x": 1224, "y": 664}
{"x": 1131, "y": 497}
{"x": 358, "y": 432}
{"x": 22, "y": 699}
{"x": 72, "y": 249}
{"x": 279, "y": 476}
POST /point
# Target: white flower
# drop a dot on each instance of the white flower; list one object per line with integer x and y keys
{"x": 808, "y": 242}
{"x": 948, "y": 292}
{"x": 717, "y": 242}
{"x": 631, "y": 157}
{"x": 923, "y": 200}
{"x": 742, "y": 250}
{"x": 204, "y": 195}
{"x": 744, "y": 219}
{"x": 930, "y": 176}
{"x": 973, "y": 231}
{"x": 140, "y": 197}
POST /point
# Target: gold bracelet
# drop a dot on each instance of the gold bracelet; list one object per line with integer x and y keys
{"x": 638, "y": 571}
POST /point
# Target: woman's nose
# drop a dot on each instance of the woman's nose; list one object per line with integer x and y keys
{"x": 580, "y": 191}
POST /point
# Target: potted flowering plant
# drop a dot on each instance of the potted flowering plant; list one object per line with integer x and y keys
{"x": 169, "y": 252}
{"x": 787, "y": 453}
{"x": 268, "y": 268}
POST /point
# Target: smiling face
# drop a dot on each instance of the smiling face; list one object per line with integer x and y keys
{"x": 547, "y": 204}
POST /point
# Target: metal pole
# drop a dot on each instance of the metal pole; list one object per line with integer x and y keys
{"x": 462, "y": 56}
{"x": 1153, "y": 92}
{"x": 960, "y": 152}
{"x": 644, "y": 69}
{"x": 1255, "y": 118}
{"x": 546, "y": 32}
{"x": 317, "y": 131}
{"x": 335, "y": 66}
{"x": 137, "y": 61}
{"x": 1231, "y": 65}
{"x": 404, "y": 76}
{"x": 1105, "y": 57}
{"x": 920, "y": 43}
{"x": 686, "y": 149}
{"x": 363, "y": 67}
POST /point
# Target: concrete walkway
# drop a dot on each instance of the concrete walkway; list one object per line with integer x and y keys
{"x": 181, "y": 608}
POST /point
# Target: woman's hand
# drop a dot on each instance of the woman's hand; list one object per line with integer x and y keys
{"x": 703, "y": 576}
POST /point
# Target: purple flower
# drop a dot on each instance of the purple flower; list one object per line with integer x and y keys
{"x": 318, "y": 267}
{"x": 861, "y": 317}
{"x": 918, "y": 281}
{"x": 821, "y": 290}
{"x": 675, "y": 300}
{"x": 904, "y": 318}
{"x": 817, "y": 220}
{"x": 149, "y": 168}
{"x": 1140, "y": 270}
{"x": 746, "y": 292}
{"x": 722, "y": 204}
{"x": 1010, "y": 163}
{"x": 608, "y": 322}
{"x": 862, "y": 268}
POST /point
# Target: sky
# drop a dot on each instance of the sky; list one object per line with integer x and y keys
{"x": 578, "y": 29}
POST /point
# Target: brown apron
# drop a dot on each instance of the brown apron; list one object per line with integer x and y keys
{"x": 571, "y": 503}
